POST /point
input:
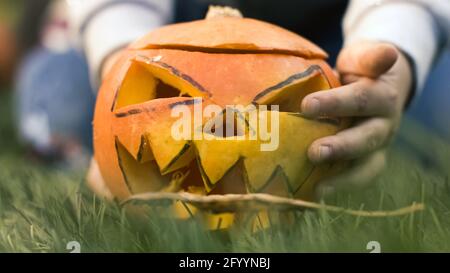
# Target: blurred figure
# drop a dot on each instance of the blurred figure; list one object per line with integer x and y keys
{"x": 54, "y": 98}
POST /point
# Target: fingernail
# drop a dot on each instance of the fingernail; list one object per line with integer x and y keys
{"x": 311, "y": 107}
{"x": 324, "y": 152}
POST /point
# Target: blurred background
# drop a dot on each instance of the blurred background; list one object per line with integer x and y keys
{"x": 37, "y": 55}
{"x": 45, "y": 147}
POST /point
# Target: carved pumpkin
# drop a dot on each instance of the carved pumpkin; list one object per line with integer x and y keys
{"x": 223, "y": 61}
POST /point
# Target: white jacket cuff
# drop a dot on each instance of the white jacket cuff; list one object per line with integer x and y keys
{"x": 114, "y": 28}
{"x": 409, "y": 26}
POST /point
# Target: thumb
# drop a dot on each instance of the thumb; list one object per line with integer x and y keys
{"x": 367, "y": 59}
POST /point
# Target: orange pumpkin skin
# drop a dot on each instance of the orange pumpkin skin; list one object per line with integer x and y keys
{"x": 224, "y": 61}
{"x": 230, "y": 34}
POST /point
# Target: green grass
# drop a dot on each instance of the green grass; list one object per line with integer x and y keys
{"x": 42, "y": 209}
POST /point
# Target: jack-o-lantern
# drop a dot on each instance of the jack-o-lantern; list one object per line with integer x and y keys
{"x": 218, "y": 61}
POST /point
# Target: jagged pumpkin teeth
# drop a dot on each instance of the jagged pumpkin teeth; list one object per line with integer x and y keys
{"x": 213, "y": 167}
{"x": 137, "y": 175}
{"x": 219, "y": 63}
{"x": 217, "y": 156}
{"x": 154, "y": 125}
{"x": 182, "y": 158}
{"x": 145, "y": 153}
{"x": 278, "y": 184}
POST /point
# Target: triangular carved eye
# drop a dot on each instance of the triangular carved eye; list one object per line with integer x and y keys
{"x": 148, "y": 79}
{"x": 289, "y": 99}
{"x": 140, "y": 86}
{"x": 289, "y": 94}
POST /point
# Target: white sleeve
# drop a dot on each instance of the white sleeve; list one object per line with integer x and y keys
{"x": 420, "y": 28}
{"x": 103, "y": 26}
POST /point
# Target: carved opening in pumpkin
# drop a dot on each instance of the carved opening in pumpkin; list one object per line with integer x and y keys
{"x": 147, "y": 80}
{"x": 138, "y": 175}
{"x": 289, "y": 94}
{"x": 290, "y": 98}
{"x": 164, "y": 90}
{"x": 281, "y": 175}
{"x": 146, "y": 176}
{"x": 145, "y": 153}
{"x": 227, "y": 124}
{"x": 233, "y": 182}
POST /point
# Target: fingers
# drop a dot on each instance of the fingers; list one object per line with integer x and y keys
{"x": 360, "y": 65}
{"x": 358, "y": 176}
{"x": 367, "y": 59}
{"x": 362, "y": 98}
{"x": 370, "y": 135}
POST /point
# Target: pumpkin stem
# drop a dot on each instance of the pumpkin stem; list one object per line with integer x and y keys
{"x": 220, "y": 12}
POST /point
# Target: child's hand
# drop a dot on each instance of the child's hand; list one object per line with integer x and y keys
{"x": 378, "y": 80}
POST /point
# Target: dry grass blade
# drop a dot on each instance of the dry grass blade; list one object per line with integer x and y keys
{"x": 257, "y": 201}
